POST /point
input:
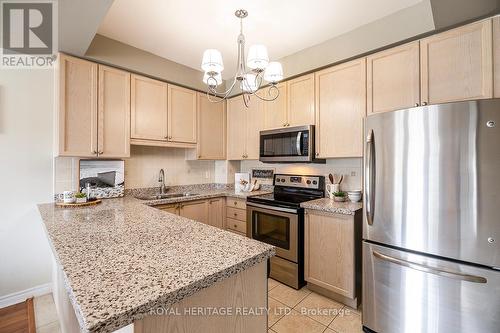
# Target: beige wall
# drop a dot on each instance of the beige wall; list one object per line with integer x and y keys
{"x": 142, "y": 168}
{"x": 115, "y": 53}
{"x": 26, "y": 169}
{"x": 351, "y": 168}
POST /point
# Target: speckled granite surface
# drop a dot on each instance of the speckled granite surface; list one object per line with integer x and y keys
{"x": 328, "y": 205}
{"x": 121, "y": 258}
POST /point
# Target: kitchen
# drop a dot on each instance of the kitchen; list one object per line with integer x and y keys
{"x": 302, "y": 189}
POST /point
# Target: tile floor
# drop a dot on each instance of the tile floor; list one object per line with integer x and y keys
{"x": 303, "y": 311}
{"x": 290, "y": 311}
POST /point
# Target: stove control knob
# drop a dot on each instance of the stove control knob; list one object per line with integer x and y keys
{"x": 315, "y": 182}
{"x": 308, "y": 182}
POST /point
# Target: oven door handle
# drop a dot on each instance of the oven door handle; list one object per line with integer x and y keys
{"x": 279, "y": 209}
{"x": 299, "y": 144}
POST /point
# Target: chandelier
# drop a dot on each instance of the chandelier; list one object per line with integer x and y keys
{"x": 250, "y": 80}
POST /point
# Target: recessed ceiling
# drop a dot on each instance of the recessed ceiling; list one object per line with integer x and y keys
{"x": 180, "y": 30}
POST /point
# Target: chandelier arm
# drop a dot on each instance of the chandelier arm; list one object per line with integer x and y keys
{"x": 271, "y": 88}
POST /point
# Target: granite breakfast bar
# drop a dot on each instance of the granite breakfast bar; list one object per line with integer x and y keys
{"x": 122, "y": 262}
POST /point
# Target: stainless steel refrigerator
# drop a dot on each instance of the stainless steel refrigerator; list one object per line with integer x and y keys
{"x": 431, "y": 232}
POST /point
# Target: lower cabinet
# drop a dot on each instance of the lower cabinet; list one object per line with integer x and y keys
{"x": 209, "y": 211}
{"x": 332, "y": 255}
{"x": 236, "y": 216}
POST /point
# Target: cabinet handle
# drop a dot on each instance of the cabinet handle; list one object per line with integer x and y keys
{"x": 235, "y": 226}
{"x": 94, "y": 152}
{"x": 166, "y": 137}
{"x": 235, "y": 214}
{"x": 170, "y": 138}
{"x": 424, "y": 103}
{"x": 235, "y": 203}
{"x": 100, "y": 152}
{"x": 416, "y": 104}
{"x": 317, "y": 154}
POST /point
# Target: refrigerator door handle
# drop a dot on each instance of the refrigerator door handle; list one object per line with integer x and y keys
{"x": 370, "y": 177}
{"x": 431, "y": 270}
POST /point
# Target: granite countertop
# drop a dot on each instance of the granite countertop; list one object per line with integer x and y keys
{"x": 330, "y": 206}
{"x": 122, "y": 258}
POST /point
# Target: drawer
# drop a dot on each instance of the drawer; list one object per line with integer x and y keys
{"x": 236, "y": 203}
{"x": 236, "y": 225}
{"x": 237, "y": 214}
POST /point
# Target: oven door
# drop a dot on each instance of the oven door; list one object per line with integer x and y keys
{"x": 276, "y": 226}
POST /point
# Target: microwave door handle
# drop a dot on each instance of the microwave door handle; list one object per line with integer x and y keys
{"x": 299, "y": 144}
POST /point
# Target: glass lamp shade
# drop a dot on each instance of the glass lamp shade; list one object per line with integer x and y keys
{"x": 257, "y": 57}
{"x": 273, "y": 72}
{"x": 213, "y": 81}
{"x": 249, "y": 84}
{"x": 212, "y": 61}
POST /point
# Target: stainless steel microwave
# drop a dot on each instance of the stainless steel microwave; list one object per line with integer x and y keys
{"x": 288, "y": 145}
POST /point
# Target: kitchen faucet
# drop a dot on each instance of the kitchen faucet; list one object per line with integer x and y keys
{"x": 161, "y": 180}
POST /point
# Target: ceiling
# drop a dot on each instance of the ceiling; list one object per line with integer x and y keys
{"x": 182, "y": 30}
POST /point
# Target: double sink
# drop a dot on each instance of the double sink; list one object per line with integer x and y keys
{"x": 166, "y": 196}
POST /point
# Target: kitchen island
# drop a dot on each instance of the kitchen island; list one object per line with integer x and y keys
{"x": 122, "y": 262}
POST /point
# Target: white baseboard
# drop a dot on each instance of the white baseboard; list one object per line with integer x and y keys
{"x": 22, "y": 295}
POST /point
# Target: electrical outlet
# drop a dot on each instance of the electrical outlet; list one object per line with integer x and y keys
{"x": 353, "y": 173}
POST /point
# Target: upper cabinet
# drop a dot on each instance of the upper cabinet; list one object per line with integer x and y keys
{"x": 162, "y": 114}
{"x": 294, "y": 105}
{"x": 275, "y": 112}
{"x": 457, "y": 64}
{"x": 113, "y": 117}
{"x": 149, "y": 109}
{"x": 211, "y": 129}
{"x": 243, "y": 128}
{"x": 94, "y": 110}
{"x": 496, "y": 55}
{"x": 300, "y": 96}
{"x": 341, "y": 107}
{"x": 393, "y": 78}
{"x": 181, "y": 114}
{"x": 77, "y": 107}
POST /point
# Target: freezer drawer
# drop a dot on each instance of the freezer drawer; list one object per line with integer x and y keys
{"x": 405, "y": 292}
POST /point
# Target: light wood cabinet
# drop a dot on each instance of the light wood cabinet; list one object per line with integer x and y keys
{"x": 77, "y": 107}
{"x": 94, "y": 110}
{"x": 181, "y": 114}
{"x": 216, "y": 212}
{"x": 332, "y": 253}
{"x": 275, "y": 112}
{"x": 393, "y": 78}
{"x": 243, "y": 127}
{"x": 300, "y": 96}
{"x": 457, "y": 65}
{"x": 211, "y": 129}
{"x": 496, "y": 56}
{"x": 113, "y": 117}
{"x": 194, "y": 210}
{"x": 172, "y": 208}
{"x": 236, "y": 216}
{"x": 148, "y": 109}
{"x": 341, "y": 106}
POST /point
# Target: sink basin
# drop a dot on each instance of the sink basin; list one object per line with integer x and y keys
{"x": 166, "y": 196}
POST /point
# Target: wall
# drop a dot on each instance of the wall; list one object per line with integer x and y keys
{"x": 26, "y": 166}
{"x": 115, "y": 53}
{"x": 142, "y": 169}
{"x": 351, "y": 168}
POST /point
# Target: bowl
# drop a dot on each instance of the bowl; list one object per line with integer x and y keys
{"x": 354, "y": 196}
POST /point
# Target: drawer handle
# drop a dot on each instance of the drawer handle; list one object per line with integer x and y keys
{"x": 235, "y": 226}
{"x": 235, "y": 214}
{"x": 235, "y": 203}
{"x": 431, "y": 270}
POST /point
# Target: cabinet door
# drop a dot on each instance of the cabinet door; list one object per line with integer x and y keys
{"x": 181, "y": 114}
{"x": 301, "y": 101}
{"x": 341, "y": 106}
{"x": 173, "y": 209}
{"x": 195, "y": 210}
{"x": 329, "y": 252}
{"x": 77, "y": 114}
{"x": 393, "y": 78}
{"x": 275, "y": 114}
{"x": 113, "y": 113}
{"x": 496, "y": 55}
{"x": 148, "y": 109}
{"x": 254, "y": 124}
{"x": 211, "y": 129}
{"x": 216, "y": 212}
{"x": 236, "y": 128}
{"x": 457, "y": 64}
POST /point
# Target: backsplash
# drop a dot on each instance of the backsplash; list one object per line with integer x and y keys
{"x": 351, "y": 168}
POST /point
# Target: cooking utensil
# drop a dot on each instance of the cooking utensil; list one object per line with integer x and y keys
{"x": 330, "y": 176}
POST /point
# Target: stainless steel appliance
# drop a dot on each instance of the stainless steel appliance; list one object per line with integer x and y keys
{"x": 277, "y": 219}
{"x": 288, "y": 145}
{"x": 431, "y": 230}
